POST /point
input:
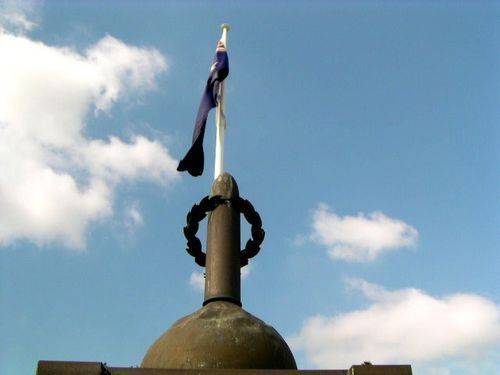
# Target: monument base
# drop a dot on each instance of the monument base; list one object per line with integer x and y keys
{"x": 97, "y": 368}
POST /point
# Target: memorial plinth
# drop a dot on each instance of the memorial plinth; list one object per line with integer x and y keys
{"x": 97, "y": 368}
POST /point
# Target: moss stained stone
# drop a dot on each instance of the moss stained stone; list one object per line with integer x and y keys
{"x": 220, "y": 335}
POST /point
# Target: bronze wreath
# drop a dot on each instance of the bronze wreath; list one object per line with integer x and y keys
{"x": 208, "y": 204}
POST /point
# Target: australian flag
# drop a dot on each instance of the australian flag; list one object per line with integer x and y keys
{"x": 194, "y": 159}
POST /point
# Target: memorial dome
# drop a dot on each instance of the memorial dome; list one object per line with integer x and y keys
{"x": 220, "y": 335}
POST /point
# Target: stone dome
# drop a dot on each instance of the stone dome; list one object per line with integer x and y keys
{"x": 220, "y": 335}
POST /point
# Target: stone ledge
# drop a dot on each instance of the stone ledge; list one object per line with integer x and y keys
{"x": 97, "y": 368}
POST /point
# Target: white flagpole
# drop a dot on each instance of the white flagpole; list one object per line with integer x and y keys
{"x": 220, "y": 119}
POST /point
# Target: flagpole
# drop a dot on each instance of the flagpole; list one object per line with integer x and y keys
{"x": 220, "y": 120}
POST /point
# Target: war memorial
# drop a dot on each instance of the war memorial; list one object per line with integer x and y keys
{"x": 221, "y": 337}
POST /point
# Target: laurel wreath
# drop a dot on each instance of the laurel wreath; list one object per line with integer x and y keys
{"x": 208, "y": 204}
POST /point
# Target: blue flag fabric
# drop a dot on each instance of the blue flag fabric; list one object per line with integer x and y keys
{"x": 194, "y": 159}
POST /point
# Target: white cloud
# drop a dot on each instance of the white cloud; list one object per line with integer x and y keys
{"x": 402, "y": 326}
{"x": 123, "y": 67}
{"x": 55, "y": 180}
{"x": 360, "y": 238}
{"x": 197, "y": 281}
{"x": 197, "y": 278}
{"x": 133, "y": 216}
{"x": 246, "y": 271}
{"x": 142, "y": 158}
{"x": 16, "y": 15}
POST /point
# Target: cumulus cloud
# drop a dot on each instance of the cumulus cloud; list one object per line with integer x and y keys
{"x": 401, "y": 326}
{"x": 362, "y": 237}
{"x": 142, "y": 158}
{"x": 197, "y": 278}
{"x": 56, "y": 180}
{"x": 16, "y": 15}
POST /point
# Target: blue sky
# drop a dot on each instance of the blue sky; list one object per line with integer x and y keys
{"x": 366, "y": 135}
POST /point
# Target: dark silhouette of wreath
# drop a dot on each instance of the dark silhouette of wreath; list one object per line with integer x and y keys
{"x": 208, "y": 204}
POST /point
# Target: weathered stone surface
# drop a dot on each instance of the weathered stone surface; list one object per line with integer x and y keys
{"x": 96, "y": 368}
{"x": 220, "y": 335}
{"x": 223, "y": 246}
{"x": 380, "y": 370}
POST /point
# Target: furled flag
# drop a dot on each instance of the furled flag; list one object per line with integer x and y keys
{"x": 193, "y": 161}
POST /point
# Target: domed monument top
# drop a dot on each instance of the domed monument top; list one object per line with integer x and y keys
{"x": 221, "y": 334}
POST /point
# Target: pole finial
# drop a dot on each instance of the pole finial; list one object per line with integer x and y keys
{"x": 225, "y": 26}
